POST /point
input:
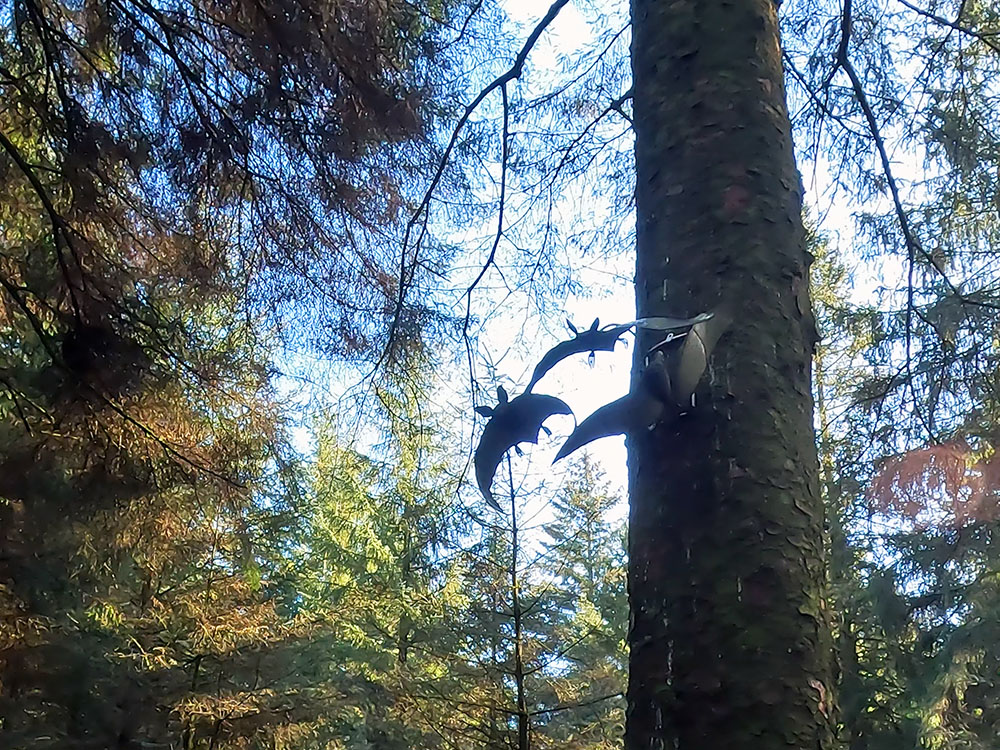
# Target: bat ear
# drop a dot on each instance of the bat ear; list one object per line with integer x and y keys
{"x": 484, "y": 411}
{"x": 570, "y": 326}
{"x": 501, "y": 395}
{"x": 593, "y": 326}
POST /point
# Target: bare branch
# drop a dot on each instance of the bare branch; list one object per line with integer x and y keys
{"x": 513, "y": 73}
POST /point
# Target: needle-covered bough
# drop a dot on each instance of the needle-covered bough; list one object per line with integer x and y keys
{"x": 673, "y": 368}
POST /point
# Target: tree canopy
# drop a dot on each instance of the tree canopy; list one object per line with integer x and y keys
{"x": 260, "y": 260}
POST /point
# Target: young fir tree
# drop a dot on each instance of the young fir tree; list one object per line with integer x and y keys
{"x": 369, "y": 575}
{"x": 585, "y": 557}
{"x": 913, "y": 544}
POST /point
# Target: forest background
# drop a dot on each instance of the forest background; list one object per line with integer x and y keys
{"x": 260, "y": 260}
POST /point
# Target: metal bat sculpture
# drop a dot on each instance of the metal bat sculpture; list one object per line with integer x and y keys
{"x": 592, "y": 340}
{"x": 673, "y": 369}
{"x": 642, "y": 408}
{"x": 604, "y": 339}
{"x": 514, "y": 421}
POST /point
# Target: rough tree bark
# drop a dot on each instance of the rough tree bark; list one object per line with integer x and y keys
{"x": 730, "y": 639}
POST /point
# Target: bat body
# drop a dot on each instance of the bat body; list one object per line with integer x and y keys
{"x": 511, "y": 422}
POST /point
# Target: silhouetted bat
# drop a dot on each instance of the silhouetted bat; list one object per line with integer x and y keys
{"x": 511, "y": 422}
{"x": 641, "y": 408}
{"x": 673, "y": 369}
{"x": 604, "y": 339}
{"x": 592, "y": 340}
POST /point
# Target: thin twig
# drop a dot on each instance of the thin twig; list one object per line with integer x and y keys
{"x": 513, "y": 73}
{"x": 491, "y": 258}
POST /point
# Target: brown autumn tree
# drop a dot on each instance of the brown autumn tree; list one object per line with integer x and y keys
{"x": 179, "y": 182}
{"x": 730, "y": 640}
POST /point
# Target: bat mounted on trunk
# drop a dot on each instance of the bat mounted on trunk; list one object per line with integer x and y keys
{"x": 673, "y": 369}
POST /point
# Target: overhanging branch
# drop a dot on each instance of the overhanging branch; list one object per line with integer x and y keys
{"x": 419, "y": 215}
{"x": 986, "y": 37}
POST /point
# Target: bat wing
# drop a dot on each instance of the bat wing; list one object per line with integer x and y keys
{"x": 607, "y": 338}
{"x": 591, "y": 340}
{"x": 658, "y": 323}
{"x": 644, "y": 406}
{"x": 518, "y": 421}
{"x": 551, "y": 358}
{"x": 487, "y": 459}
{"x": 616, "y": 418}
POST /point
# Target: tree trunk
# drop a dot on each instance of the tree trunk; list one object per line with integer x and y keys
{"x": 730, "y": 639}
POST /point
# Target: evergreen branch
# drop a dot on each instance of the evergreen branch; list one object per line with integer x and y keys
{"x": 614, "y": 106}
{"x": 59, "y": 229}
{"x": 15, "y": 397}
{"x": 581, "y": 704}
{"x": 913, "y": 245}
{"x": 986, "y": 37}
{"x": 558, "y": 91}
{"x": 33, "y": 321}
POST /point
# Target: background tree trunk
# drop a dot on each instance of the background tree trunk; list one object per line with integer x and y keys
{"x": 730, "y": 640}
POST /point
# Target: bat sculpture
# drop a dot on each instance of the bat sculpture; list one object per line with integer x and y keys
{"x": 592, "y": 340}
{"x": 644, "y": 406}
{"x": 514, "y": 421}
{"x": 673, "y": 369}
{"x": 596, "y": 339}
